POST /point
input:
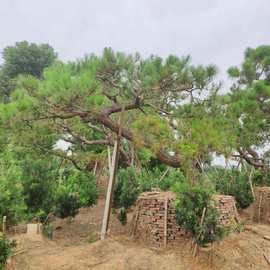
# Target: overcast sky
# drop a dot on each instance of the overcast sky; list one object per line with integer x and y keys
{"x": 211, "y": 31}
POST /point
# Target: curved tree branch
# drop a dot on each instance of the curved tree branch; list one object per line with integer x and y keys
{"x": 257, "y": 163}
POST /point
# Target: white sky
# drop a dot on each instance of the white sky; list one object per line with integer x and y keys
{"x": 211, "y": 31}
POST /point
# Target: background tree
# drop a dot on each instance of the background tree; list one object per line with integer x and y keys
{"x": 79, "y": 103}
{"x": 23, "y": 58}
{"x": 249, "y": 106}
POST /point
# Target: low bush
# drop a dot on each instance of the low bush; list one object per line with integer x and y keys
{"x": 47, "y": 230}
{"x": 261, "y": 178}
{"x": 162, "y": 179}
{"x": 83, "y": 184}
{"x": 232, "y": 182}
{"x": 77, "y": 189}
{"x": 189, "y": 205}
{"x": 172, "y": 178}
{"x": 11, "y": 195}
{"x": 93, "y": 237}
{"x": 39, "y": 184}
{"x": 130, "y": 184}
{"x": 148, "y": 179}
{"x": 66, "y": 203}
{"x": 6, "y": 248}
{"x": 122, "y": 216}
{"x": 127, "y": 188}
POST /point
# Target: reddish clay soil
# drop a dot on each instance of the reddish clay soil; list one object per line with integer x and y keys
{"x": 75, "y": 246}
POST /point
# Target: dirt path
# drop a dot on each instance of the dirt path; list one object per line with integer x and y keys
{"x": 108, "y": 255}
{"x": 75, "y": 247}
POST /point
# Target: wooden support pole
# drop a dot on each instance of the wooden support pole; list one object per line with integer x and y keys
{"x": 266, "y": 258}
{"x": 165, "y": 221}
{"x": 250, "y": 183}
{"x": 236, "y": 217}
{"x": 164, "y": 174}
{"x": 132, "y": 154}
{"x": 109, "y": 159}
{"x": 109, "y": 195}
{"x": 38, "y": 225}
{"x": 259, "y": 208}
{"x": 4, "y": 225}
{"x": 112, "y": 179}
{"x": 201, "y": 223}
{"x": 136, "y": 218}
{"x": 95, "y": 168}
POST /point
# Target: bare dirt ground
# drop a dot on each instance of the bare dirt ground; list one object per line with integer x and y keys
{"x": 75, "y": 246}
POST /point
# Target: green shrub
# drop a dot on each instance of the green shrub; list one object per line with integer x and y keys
{"x": 47, "y": 230}
{"x": 261, "y": 179}
{"x": 11, "y": 195}
{"x": 77, "y": 189}
{"x": 93, "y": 237}
{"x": 171, "y": 179}
{"x": 149, "y": 179}
{"x": 122, "y": 216}
{"x": 66, "y": 203}
{"x": 130, "y": 184}
{"x": 6, "y": 247}
{"x": 189, "y": 207}
{"x": 232, "y": 182}
{"x": 83, "y": 184}
{"x": 127, "y": 188}
{"x": 39, "y": 183}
